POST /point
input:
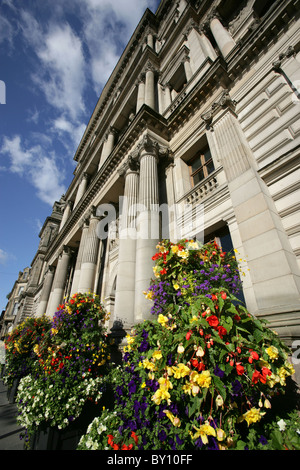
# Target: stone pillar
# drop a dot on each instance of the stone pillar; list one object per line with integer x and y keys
{"x": 150, "y": 86}
{"x": 76, "y": 277}
{"x": 168, "y": 96}
{"x": 66, "y": 214}
{"x": 141, "y": 93}
{"x": 199, "y": 46}
{"x": 187, "y": 68}
{"x": 89, "y": 256}
{"x": 147, "y": 225}
{"x": 222, "y": 36}
{"x": 46, "y": 290}
{"x": 59, "y": 282}
{"x": 274, "y": 272}
{"x": 81, "y": 188}
{"x": 125, "y": 287}
{"x": 107, "y": 146}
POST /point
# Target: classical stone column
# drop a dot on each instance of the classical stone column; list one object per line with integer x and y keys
{"x": 81, "y": 188}
{"x": 46, "y": 289}
{"x": 76, "y": 277}
{"x": 59, "y": 282}
{"x": 150, "y": 86}
{"x": 275, "y": 278}
{"x": 141, "y": 93}
{"x": 199, "y": 46}
{"x": 66, "y": 214}
{"x": 222, "y": 36}
{"x": 125, "y": 287}
{"x": 147, "y": 225}
{"x": 108, "y": 145}
{"x": 187, "y": 68}
{"x": 89, "y": 256}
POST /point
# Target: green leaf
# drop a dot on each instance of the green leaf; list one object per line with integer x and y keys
{"x": 220, "y": 386}
{"x": 276, "y": 439}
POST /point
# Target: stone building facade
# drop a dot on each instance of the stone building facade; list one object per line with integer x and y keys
{"x": 200, "y": 116}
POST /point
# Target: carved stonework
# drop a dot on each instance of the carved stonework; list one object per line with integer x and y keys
{"x": 224, "y": 102}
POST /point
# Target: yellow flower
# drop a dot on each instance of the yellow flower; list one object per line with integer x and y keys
{"x": 157, "y": 355}
{"x": 54, "y": 331}
{"x": 162, "y": 319}
{"x": 183, "y": 254}
{"x": 220, "y": 434}
{"x": 253, "y": 416}
{"x": 180, "y": 371}
{"x": 176, "y": 286}
{"x": 174, "y": 249}
{"x": 148, "y": 365}
{"x": 143, "y": 385}
{"x": 130, "y": 339}
{"x": 272, "y": 353}
{"x": 204, "y": 379}
{"x": 164, "y": 383}
{"x": 148, "y": 295}
{"x": 174, "y": 419}
{"x": 204, "y": 431}
{"x": 159, "y": 395}
{"x": 180, "y": 349}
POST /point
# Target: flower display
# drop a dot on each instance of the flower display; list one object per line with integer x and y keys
{"x": 20, "y": 345}
{"x": 69, "y": 366}
{"x": 202, "y": 373}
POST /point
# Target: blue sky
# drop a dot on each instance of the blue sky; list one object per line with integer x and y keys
{"x": 55, "y": 58}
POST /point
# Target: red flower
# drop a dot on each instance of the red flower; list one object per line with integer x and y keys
{"x": 135, "y": 437}
{"x": 255, "y": 377}
{"x": 253, "y": 355}
{"x": 222, "y": 331}
{"x": 110, "y": 439}
{"x": 239, "y": 368}
{"x": 163, "y": 271}
{"x": 188, "y": 335}
{"x": 213, "y": 321}
{"x": 237, "y": 317}
{"x": 214, "y": 297}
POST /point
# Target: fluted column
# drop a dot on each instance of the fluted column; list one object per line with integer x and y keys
{"x": 89, "y": 256}
{"x": 147, "y": 225}
{"x": 76, "y": 277}
{"x": 150, "y": 86}
{"x": 66, "y": 214}
{"x": 81, "y": 188}
{"x": 141, "y": 93}
{"x": 59, "y": 282}
{"x": 222, "y": 36}
{"x": 125, "y": 287}
{"x": 45, "y": 295}
{"x": 108, "y": 145}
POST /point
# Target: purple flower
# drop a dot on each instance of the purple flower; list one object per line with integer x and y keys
{"x": 219, "y": 372}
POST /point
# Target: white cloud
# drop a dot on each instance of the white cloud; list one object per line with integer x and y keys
{"x": 41, "y": 170}
{"x": 61, "y": 71}
{"x": 107, "y": 27}
{"x": 3, "y": 256}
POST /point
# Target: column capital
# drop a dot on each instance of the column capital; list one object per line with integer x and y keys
{"x": 224, "y": 102}
{"x": 130, "y": 165}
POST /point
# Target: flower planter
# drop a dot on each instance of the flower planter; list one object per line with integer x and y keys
{"x": 67, "y": 438}
{"x": 12, "y": 391}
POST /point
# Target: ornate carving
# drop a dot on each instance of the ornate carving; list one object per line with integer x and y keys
{"x": 224, "y": 102}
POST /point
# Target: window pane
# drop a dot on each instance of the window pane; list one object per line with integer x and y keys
{"x": 198, "y": 176}
{"x": 210, "y": 167}
{"x": 195, "y": 164}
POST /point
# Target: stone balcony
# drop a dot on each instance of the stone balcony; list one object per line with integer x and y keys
{"x": 204, "y": 188}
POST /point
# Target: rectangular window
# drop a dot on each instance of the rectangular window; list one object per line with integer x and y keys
{"x": 201, "y": 165}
